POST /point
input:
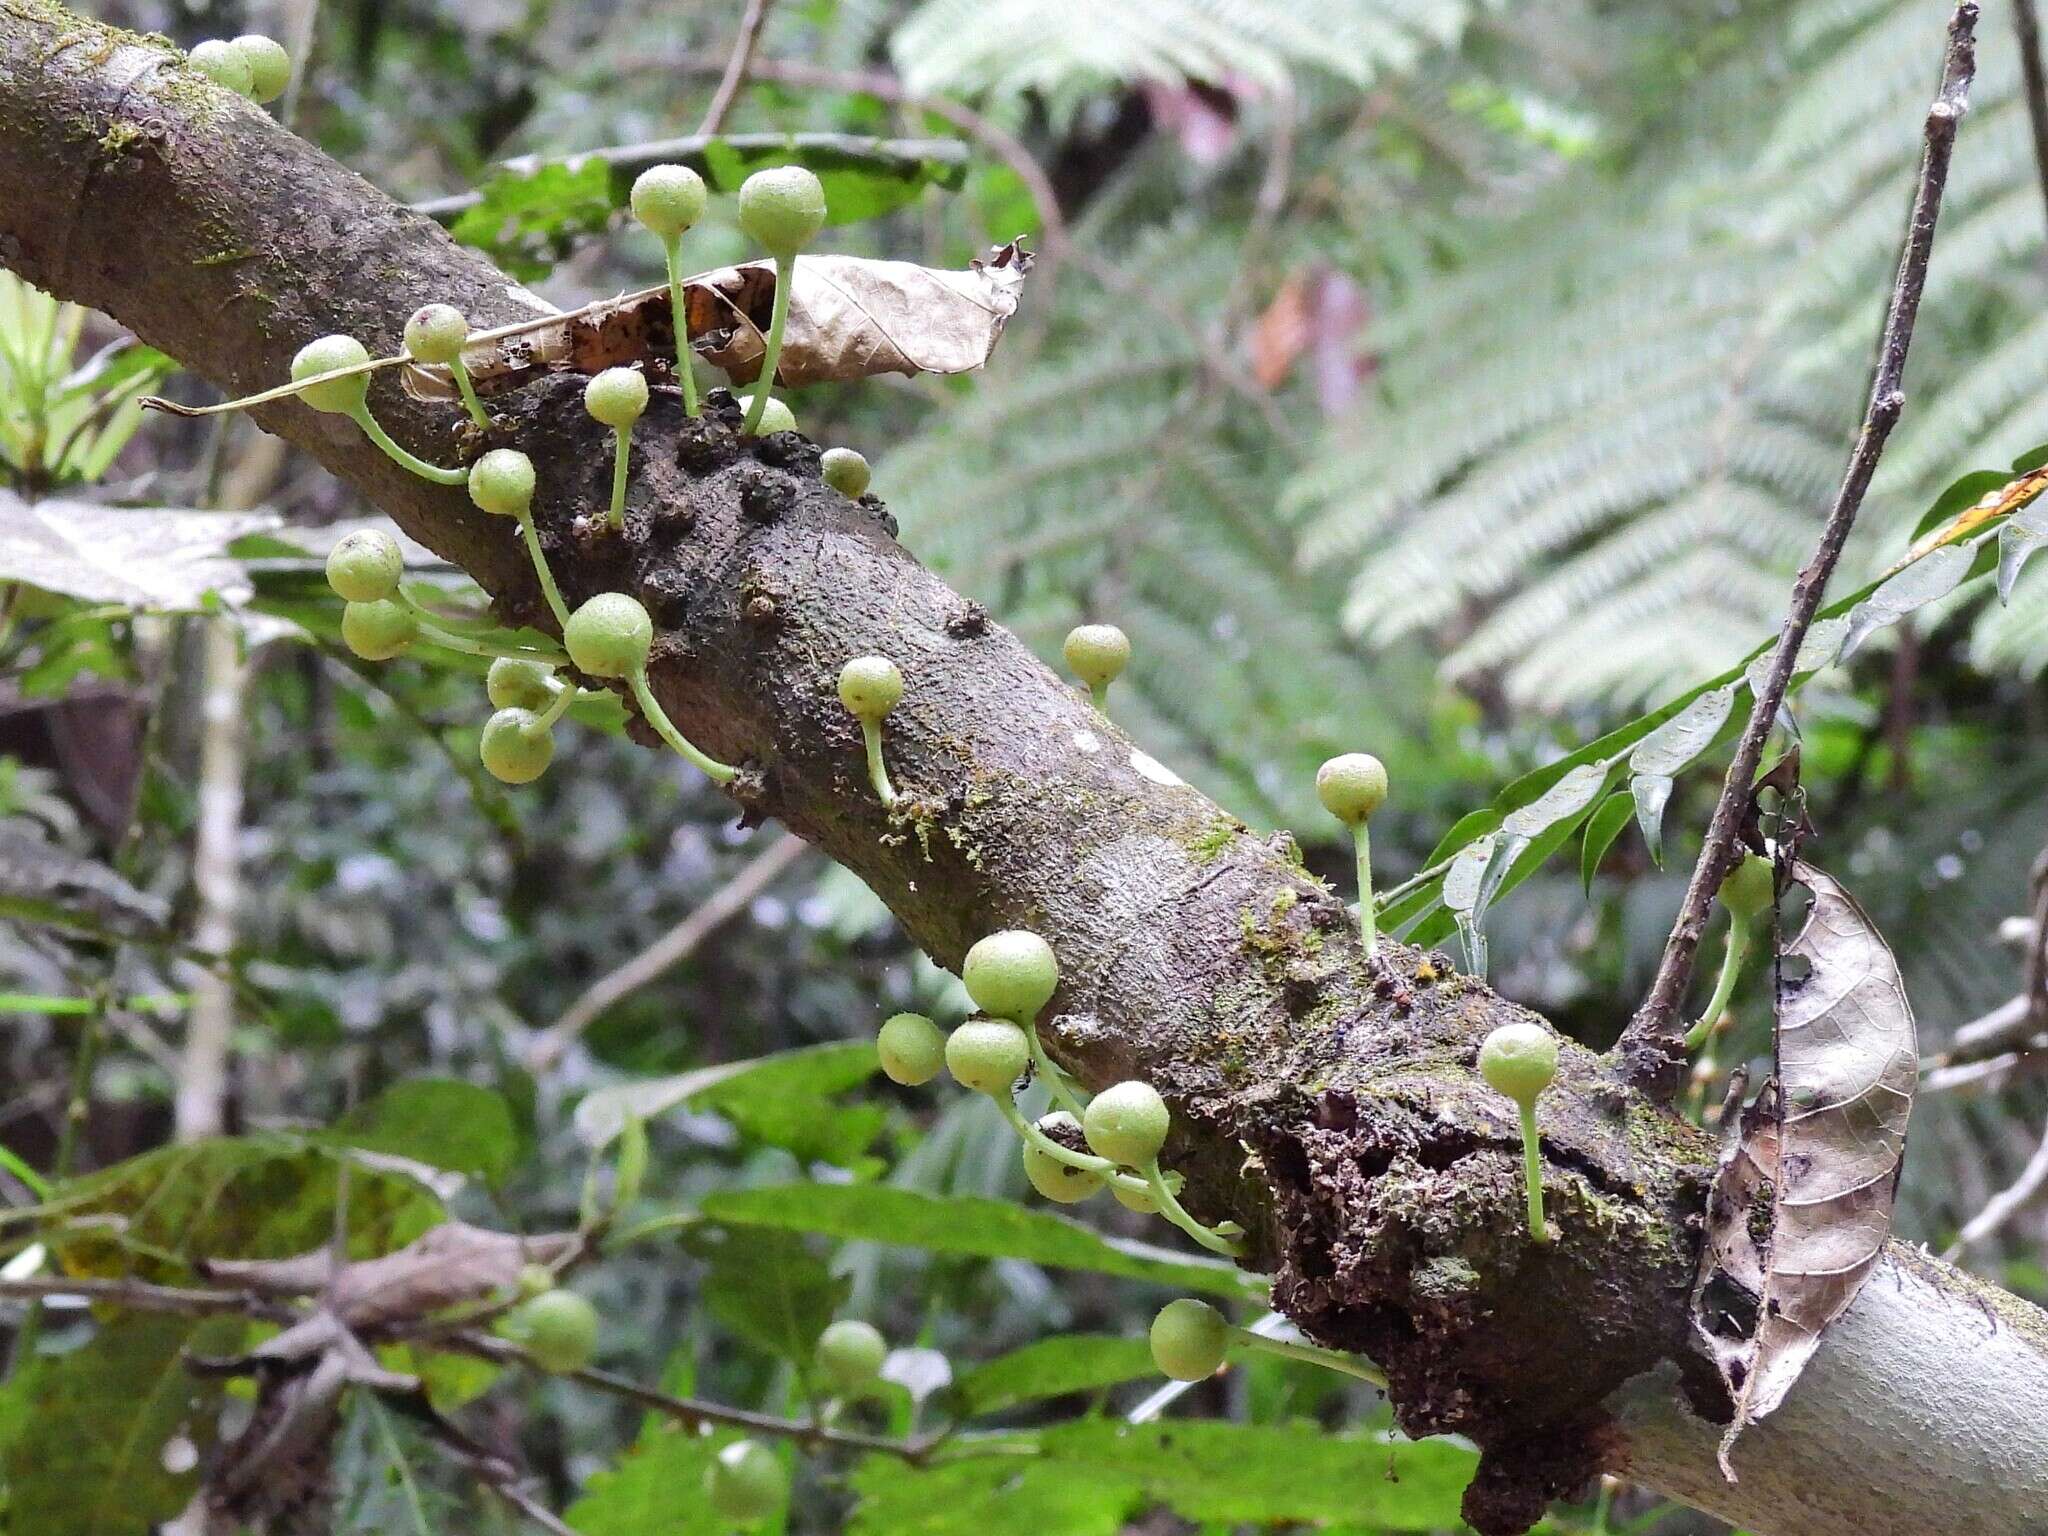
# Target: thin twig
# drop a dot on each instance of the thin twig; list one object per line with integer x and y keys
{"x": 2006, "y": 1204}
{"x": 1650, "y": 1048}
{"x": 629, "y": 160}
{"x": 140, "y": 1297}
{"x": 734, "y": 80}
{"x": 2028, "y": 27}
{"x": 666, "y": 952}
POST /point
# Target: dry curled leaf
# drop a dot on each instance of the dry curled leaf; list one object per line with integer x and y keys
{"x": 849, "y": 318}
{"x": 1801, "y": 1206}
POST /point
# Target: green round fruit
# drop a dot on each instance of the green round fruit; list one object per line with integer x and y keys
{"x": 987, "y": 1055}
{"x": 1352, "y": 787}
{"x": 870, "y": 686}
{"x": 1097, "y": 653}
{"x": 501, "y": 482}
{"x": 746, "y": 1483}
{"x": 339, "y": 397}
{"x": 1061, "y": 1183}
{"x": 1127, "y": 1123}
{"x": 1519, "y": 1060}
{"x": 1011, "y": 975}
{"x": 225, "y": 65}
{"x": 535, "y": 1280}
{"x": 849, "y": 1357}
{"x": 845, "y": 471}
{"x": 270, "y": 67}
{"x": 379, "y": 630}
{"x": 775, "y": 416}
{"x": 365, "y": 565}
{"x": 1749, "y": 889}
{"x": 617, "y": 397}
{"x": 1189, "y": 1339}
{"x": 516, "y": 684}
{"x": 912, "y": 1048}
{"x": 783, "y": 208}
{"x": 436, "y": 333}
{"x": 558, "y": 1328}
{"x": 1140, "y": 1200}
{"x": 668, "y": 199}
{"x": 609, "y": 636}
{"x": 516, "y": 748}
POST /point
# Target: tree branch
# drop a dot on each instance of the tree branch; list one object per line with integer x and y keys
{"x": 1651, "y": 1047}
{"x": 2027, "y": 33}
{"x": 1326, "y": 1102}
{"x": 735, "y": 77}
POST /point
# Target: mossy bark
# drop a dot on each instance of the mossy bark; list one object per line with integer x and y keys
{"x": 1327, "y": 1102}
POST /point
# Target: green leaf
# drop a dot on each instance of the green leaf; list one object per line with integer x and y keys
{"x": 768, "y": 1287}
{"x": 156, "y": 559}
{"x": 970, "y": 1224}
{"x": 438, "y": 1121}
{"x": 1685, "y": 735}
{"x": 529, "y": 220}
{"x": 82, "y": 1434}
{"x": 2017, "y": 541}
{"x": 1601, "y": 832}
{"x": 1205, "y": 1470}
{"x": 1568, "y": 797}
{"x": 1915, "y": 587}
{"x": 1073, "y": 1362}
{"x": 1471, "y": 825}
{"x": 657, "y": 1489}
{"x": 783, "y": 1100}
{"x": 1651, "y": 792}
{"x": 863, "y": 178}
{"x": 1962, "y": 492}
{"x": 989, "y": 1496}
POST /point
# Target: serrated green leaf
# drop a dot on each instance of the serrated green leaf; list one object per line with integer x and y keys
{"x": 989, "y": 1496}
{"x": 440, "y": 1122}
{"x": 1601, "y": 831}
{"x": 657, "y": 1488}
{"x": 767, "y": 1286}
{"x": 1073, "y": 1362}
{"x": 969, "y": 1224}
{"x": 1206, "y": 1470}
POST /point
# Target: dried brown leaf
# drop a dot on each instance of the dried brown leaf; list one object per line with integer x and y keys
{"x": 1801, "y": 1207}
{"x": 849, "y": 318}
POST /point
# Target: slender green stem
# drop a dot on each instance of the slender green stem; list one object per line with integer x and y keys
{"x": 622, "y": 450}
{"x": 1055, "y": 1080}
{"x": 1416, "y": 881}
{"x": 679, "y": 311}
{"x": 565, "y": 695}
{"x": 1329, "y": 1359}
{"x": 1732, "y": 958}
{"x": 785, "y": 273}
{"x": 419, "y": 466}
{"x": 1087, "y": 1162}
{"x": 1099, "y": 692}
{"x": 470, "y": 645}
{"x": 548, "y": 588}
{"x": 467, "y": 388}
{"x": 712, "y": 768}
{"x": 1532, "y": 1176}
{"x": 878, "y": 773}
{"x": 1368, "y": 915}
{"x": 1173, "y": 1211}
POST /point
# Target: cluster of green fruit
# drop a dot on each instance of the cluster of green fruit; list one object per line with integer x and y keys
{"x": 251, "y": 65}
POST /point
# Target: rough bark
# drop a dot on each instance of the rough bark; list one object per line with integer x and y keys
{"x": 1328, "y": 1103}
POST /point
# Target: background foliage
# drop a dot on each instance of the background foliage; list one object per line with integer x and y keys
{"x": 1442, "y": 377}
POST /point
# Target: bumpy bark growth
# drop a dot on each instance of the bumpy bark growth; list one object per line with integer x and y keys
{"x": 1328, "y": 1103}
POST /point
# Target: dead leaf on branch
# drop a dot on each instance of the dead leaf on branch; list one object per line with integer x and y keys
{"x": 849, "y": 318}
{"x": 1801, "y": 1206}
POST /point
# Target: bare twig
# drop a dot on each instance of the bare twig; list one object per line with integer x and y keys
{"x": 666, "y": 952}
{"x": 734, "y": 79}
{"x": 2028, "y": 27}
{"x": 2006, "y": 1204}
{"x": 631, "y": 159}
{"x": 140, "y": 1297}
{"x": 1650, "y": 1048}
